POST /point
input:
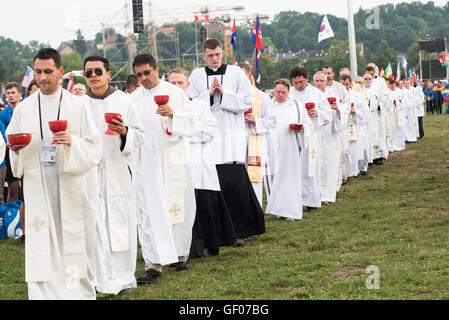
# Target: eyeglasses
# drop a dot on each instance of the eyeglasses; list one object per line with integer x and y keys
{"x": 145, "y": 73}
{"x": 89, "y": 73}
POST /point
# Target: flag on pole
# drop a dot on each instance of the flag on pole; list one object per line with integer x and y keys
{"x": 27, "y": 77}
{"x": 255, "y": 29}
{"x": 258, "y": 79}
{"x": 234, "y": 36}
{"x": 381, "y": 73}
{"x": 414, "y": 75}
{"x": 325, "y": 30}
{"x": 404, "y": 63}
{"x": 234, "y": 41}
{"x": 259, "y": 48}
{"x": 388, "y": 72}
{"x": 398, "y": 73}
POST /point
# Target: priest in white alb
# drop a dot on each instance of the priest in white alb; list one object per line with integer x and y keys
{"x": 60, "y": 186}
{"x": 332, "y": 140}
{"x": 336, "y": 89}
{"x": 358, "y": 116}
{"x": 409, "y": 100}
{"x": 293, "y": 127}
{"x": 166, "y": 196}
{"x": 116, "y": 243}
{"x": 400, "y": 117}
{"x": 320, "y": 115}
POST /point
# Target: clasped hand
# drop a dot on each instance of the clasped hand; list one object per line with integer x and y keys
{"x": 216, "y": 85}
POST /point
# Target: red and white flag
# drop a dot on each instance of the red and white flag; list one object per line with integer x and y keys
{"x": 27, "y": 77}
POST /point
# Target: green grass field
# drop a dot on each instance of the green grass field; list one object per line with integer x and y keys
{"x": 396, "y": 218}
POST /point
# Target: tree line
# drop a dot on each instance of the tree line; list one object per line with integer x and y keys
{"x": 400, "y": 28}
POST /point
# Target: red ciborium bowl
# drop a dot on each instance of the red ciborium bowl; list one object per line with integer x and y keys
{"x": 108, "y": 117}
{"x": 250, "y": 110}
{"x": 310, "y": 105}
{"x": 332, "y": 100}
{"x": 295, "y": 126}
{"x": 161, "y": 99}
{"x": 57, "y": 126}
{"x": 19, "y": 139}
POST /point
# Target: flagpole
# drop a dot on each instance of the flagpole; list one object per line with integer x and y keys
{"x": 352, "y": 43}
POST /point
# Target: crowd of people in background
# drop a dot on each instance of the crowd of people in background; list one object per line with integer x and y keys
{"x": 182, "y": 165}
{"x": 437, "y": 97}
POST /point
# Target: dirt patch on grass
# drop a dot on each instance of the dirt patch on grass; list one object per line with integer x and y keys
{"x": 346, "y": 273}
{"x": 346, "y": 254}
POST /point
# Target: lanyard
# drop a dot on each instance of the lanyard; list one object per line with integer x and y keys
{"x": 40, "y": 115}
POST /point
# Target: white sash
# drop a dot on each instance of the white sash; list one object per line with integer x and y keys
{"x": 174, "y": 172}
{"x": 313, "y": 138}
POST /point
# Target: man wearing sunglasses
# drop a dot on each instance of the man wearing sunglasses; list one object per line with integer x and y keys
{"x": 166, "y": 197}
{"x": 116, "y": 241}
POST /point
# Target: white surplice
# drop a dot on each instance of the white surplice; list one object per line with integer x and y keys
{"x": 311, "y": 194}
{"x": 165, "y": 187}
{"x": 339, "y": 91}
{"x": 205, "y": 175}
{"x": 228, "y": 109}
{"x": 357, "y": 131}
{"x": 61, "y": 199}
{"x": 398, "y": 140}
{"x": 285, "y": 199}
{"x": 116, "y": 243}
{"x": 333, "y": 149}
{"x": 371, "y": 127}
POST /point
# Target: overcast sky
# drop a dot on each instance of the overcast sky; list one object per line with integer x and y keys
{"x": 55, "y": 21}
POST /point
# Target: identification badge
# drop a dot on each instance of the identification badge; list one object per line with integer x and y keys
{"x": 48, "y": 155}
{"x": 217, "y": 110}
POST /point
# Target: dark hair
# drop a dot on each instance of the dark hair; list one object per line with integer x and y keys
{"x": 391, "y": 81}
{"x": 11, "y": 85}
{"x": 97, "y": 58}
{"x": 369, "y": 68}
{"x": 144, "y": 58}
{"x": 298, "y": 72}
{"x": 327, "y": 67}
{"x": 211, "y": 44}
{"x": 131, "y": 80}
{"x": 49, "y": 53}
{"x": 32, "y": 83}
{"x": 345, "y": 77}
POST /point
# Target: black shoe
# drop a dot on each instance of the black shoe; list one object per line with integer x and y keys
{"x": 363, "y": 173}
{"x": 311, "y": 209}
{"x": 213, "y": 252}
{"x": 149, "y": 276}
{"x": 239, "y": 243}
{"x": 182, "y": 265}
{"x": 125, "y": 292}
{"x": 22, "y": 239}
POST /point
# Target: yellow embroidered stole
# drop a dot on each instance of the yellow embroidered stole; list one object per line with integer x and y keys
{"x": 254, "y": 160}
